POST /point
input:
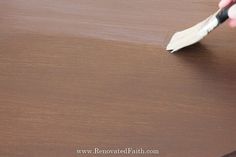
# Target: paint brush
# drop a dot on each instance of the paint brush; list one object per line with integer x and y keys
{"x": 196, "y": 33}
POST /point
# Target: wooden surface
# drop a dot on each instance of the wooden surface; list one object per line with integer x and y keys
{"x": 95, "y": 73}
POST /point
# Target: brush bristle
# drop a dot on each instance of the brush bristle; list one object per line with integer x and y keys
{"x": 192, "y": 35}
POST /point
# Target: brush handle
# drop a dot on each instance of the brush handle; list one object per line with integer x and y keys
{"x": 223, "y": 15}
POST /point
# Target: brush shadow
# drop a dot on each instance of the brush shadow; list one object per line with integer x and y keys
{"x": 208, "y": 64}
{"x": 198, "y": 47}
{"x": 232, "y": 154}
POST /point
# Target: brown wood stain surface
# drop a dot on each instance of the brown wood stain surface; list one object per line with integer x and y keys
{"x": 85, "y": 74}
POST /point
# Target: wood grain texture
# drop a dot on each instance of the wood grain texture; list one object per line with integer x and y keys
{"x": 84, "y": 74}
